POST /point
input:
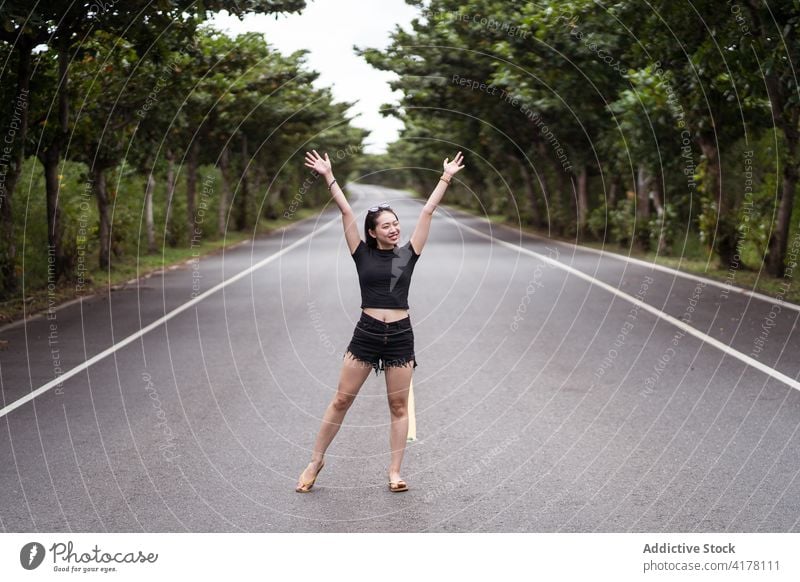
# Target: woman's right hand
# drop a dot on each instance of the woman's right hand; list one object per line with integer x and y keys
{"x": 318, "y": 164}
{"x": 453, "y": 167}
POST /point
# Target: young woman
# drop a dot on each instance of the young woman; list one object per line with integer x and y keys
{"x": 383, "y": 339}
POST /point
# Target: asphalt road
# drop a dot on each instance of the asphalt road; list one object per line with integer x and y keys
{"x": 545, "y": 402}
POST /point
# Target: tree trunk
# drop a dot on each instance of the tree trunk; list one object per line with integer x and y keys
{"x": 148, "y": 213}
{"x": 564, "y": 197}
{"x": 530, "y": 190}
{"x": 13, "y": 166}
{"x": 781, "y": 91}
{"x": 224, "y": 193}
{"x": 271, "y": 194}
{"x": 779, "y": 237}
{"x": 725, "y": 236}
{"x": 169, "y": 233}
{"x": 191, "y": 190}
{"x": 274, "y": 195}
{"x": 583, "y": 198}
{"x": 613, "y": 188}
{"x": 643, "y": 180}
{"x": 566, "y": 203}
{"x": 711, "y": 154}
{"x": 241, "y": 219}
{"x": 101, "y": 195}
{"x": 544, "y": 182}
{"x": 663, "y": 226}
{"x": 50, "y": 158}
{"x": 658, "y": 196}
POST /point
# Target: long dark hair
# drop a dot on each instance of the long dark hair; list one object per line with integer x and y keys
{"x": 369, "y": 224}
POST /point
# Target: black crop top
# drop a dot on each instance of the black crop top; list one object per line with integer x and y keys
{"x": 385, "y": 275}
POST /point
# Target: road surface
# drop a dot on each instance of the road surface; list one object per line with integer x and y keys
{"x": 554, "y": 393}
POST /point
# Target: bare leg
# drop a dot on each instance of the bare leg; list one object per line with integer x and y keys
{"x": 398, "y": 381}
{"x": 353, "y": 375}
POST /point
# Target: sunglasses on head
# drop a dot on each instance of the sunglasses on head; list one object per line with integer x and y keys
{"x": 379, "y": 207}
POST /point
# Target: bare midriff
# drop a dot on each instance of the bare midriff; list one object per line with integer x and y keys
{"x": 386, "y": 315}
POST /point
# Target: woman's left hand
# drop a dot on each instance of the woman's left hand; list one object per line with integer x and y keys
{"x": 320, "y": 165}
{"x": 451, "y": 168}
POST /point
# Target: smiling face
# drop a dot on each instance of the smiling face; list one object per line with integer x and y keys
{"x": 387, "y": 230}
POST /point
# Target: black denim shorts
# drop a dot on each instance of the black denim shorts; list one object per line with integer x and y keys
{"x": 382, "y": 344}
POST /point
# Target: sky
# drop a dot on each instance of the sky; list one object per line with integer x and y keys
{"x": 329, "y": 29}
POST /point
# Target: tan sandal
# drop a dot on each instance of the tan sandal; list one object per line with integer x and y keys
{"x": 398, "y": 486}
{"x": 306, "y": 487}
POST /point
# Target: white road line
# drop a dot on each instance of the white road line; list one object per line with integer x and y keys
{"x": 133, "y": 337}
{"x": 657, "y": 267}
{"x": 658, "y": 313}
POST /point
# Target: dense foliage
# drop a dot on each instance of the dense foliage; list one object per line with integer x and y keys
{"x": 664, "y": 125}
{"x": 123, "y": 135}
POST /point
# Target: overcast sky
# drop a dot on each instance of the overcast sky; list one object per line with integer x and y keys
{"x": 329, "y": 29}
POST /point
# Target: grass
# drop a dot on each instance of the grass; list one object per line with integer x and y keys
{"x": 127, "y": 269}
{"x": 745, "y": 278}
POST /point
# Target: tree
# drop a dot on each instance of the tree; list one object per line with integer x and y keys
{"x": 772, "y": 37}
{"x": 64, "y": 26}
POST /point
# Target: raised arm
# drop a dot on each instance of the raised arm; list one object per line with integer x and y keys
{"x": 424, "y": 223}
{"x": 322, "y": 166}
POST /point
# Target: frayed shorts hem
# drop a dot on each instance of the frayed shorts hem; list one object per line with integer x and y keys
{"x": 381, "y": 364}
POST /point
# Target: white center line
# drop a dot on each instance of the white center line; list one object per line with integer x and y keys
{"x": 624, "y": 296}
{"x": 657, "y": 312}
{"x": 725, "y": 285}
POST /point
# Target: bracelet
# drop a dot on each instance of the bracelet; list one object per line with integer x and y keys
{"x": 445, "y": 181}
{"x": 331, "y": 184}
